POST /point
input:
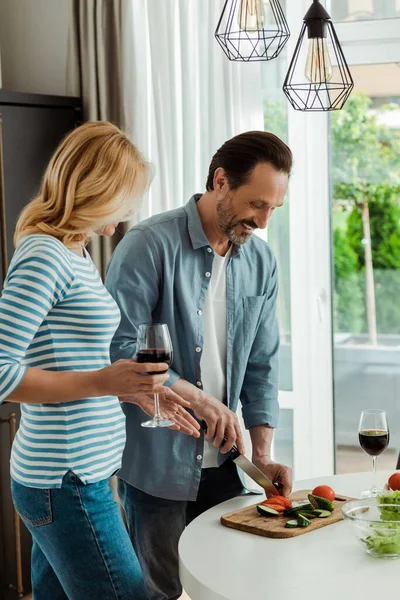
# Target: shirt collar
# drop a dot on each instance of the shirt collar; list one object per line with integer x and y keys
{"x": 195, "y": 227}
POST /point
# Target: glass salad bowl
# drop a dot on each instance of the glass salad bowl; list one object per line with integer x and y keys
{"x": 376, "y": 523}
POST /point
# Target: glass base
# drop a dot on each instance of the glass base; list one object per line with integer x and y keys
{"x": 157, "y": 422}
{"x": 372, "y": 493}
{"x": 383, "y": 556}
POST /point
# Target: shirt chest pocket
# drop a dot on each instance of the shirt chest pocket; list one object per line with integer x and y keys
{"x": 252, "y": 307}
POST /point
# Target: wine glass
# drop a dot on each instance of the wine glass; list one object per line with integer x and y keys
{"x": 373, "y": 434}
{"x": 154, "y": 346}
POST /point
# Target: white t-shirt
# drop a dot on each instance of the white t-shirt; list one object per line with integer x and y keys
{"x": 213, "y": 358}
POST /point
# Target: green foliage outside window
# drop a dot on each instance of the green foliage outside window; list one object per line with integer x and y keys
{"x": 366, "y": 189}
{"x": 365, "y": 169}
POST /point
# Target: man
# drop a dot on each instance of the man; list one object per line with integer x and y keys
{"x": 201, "y": 270}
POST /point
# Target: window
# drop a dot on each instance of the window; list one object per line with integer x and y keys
{"x": 364, "y": 10}
{"x": 365, "y": 169}
{"x": 283, "y": 439}
{"x": 276, "y": 121}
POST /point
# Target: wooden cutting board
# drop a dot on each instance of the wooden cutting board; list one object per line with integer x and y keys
{"x": 248, "y": 519}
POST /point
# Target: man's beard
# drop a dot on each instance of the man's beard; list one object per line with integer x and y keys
{"x": 228, "y": 222}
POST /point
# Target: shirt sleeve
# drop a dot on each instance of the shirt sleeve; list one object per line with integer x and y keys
{"x": 133, "y": 279}
{"x": 38, "y": 278}
{"x": 259, "y": 395}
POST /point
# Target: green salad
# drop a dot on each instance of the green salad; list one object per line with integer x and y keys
{"x": 385, "y": 536}
{"x": 392, "y": 513}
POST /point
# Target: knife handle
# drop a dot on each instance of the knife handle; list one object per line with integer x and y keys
{"x": 233, "y": 453}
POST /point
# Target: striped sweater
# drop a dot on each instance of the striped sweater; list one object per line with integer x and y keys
{"x": 55, "y": 314}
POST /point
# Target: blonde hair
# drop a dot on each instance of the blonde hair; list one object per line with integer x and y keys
{"x": 93, "y": 178}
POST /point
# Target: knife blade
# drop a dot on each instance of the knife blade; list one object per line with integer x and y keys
{"x": 248, "y": 467}
{"x": 255, "y": 474}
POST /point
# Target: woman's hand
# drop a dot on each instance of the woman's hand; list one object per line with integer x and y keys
{"x": 127, "y": 377}
{"x": 172, "y": 407}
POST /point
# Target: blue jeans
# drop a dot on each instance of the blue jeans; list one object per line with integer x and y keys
{"x": 81, "y": 549}
{"x": 156, "y": 524}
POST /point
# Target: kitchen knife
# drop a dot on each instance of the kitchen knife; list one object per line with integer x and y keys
{"x": 248, "y": 467}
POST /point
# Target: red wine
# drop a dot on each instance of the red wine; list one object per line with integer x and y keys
{"x": 373, "y": 441}
{"x": 154, "y": 355}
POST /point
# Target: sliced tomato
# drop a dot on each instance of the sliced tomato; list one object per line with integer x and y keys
{"x": 285, "y": 501}
{"x": 278, "y": 500}
{"x": 269, "y": 501}
{"x": 278, "y": 507}
{"x": 274, "y": 504}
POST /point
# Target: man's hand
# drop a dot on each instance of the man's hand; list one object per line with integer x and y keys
{"x": 221, "y": 423}
{"x": 277, "y": 473}
{"x": 261, "y": 439}
{"x": 172, "y": 407}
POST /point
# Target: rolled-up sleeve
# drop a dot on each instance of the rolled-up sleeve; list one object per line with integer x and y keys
{"x": 259, "y": 394}
{"x": 133, "y": 279}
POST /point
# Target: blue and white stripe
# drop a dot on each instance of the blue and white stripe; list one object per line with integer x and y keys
{"x": 56, "y": 314}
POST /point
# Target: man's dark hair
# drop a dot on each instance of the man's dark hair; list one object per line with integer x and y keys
{"x": 240, "y": 155}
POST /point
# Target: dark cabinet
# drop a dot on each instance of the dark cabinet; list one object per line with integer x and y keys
{"x": 32, "y": 125}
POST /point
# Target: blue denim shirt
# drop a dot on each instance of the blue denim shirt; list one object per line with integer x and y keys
{"x": 160, "y": 272}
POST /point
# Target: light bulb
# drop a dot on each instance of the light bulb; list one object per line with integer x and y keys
{"x": 251, "y": 15}
{"x": 318, "y": 65}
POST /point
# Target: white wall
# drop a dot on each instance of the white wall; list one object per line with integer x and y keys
{"x": 33, "y": 45}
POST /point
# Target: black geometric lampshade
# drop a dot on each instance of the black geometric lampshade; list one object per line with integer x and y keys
{"x": 252, "y": 30}
{"x": 312, "y": 83}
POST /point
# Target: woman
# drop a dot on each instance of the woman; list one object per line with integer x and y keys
{"x": 56, "y": 324}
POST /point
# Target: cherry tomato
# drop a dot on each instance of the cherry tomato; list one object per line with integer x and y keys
{"x": 394, "y": 481}
{"x": 324, "y": 491}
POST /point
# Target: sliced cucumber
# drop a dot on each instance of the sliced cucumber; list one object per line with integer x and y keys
{"x": 292, "y": 524}
{"x": 313, "y": 501}
{"x": 321, "y": 503}
{"x": 310, "y": 514}
{"x": 303, "y": 521}
{"x": 266, "y": 511}
{"x": 307, "y": 507}
{"x": 326, "y": 504}
{"x": 322, "y": 514}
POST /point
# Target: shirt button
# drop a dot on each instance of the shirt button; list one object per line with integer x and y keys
{"x": 198, "y": 349}
{"x": 209, "y": 250}
{"x": 208, "y": 274}
{"x": 199, "y": 457}
{"x": 199, "y": 312}
{"x": 198, "y": 383}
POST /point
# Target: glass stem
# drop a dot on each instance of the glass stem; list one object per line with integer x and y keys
{"x": 374, "y": 472}
{"x": 157, "y": 414}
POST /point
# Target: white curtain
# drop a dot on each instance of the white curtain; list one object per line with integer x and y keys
{"x": 186, "y": 97}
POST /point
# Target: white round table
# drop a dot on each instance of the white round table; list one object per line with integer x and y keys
{"x": 217, "y": 563}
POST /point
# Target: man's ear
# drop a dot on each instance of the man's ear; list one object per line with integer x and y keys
{"x": 220, "y": 179}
